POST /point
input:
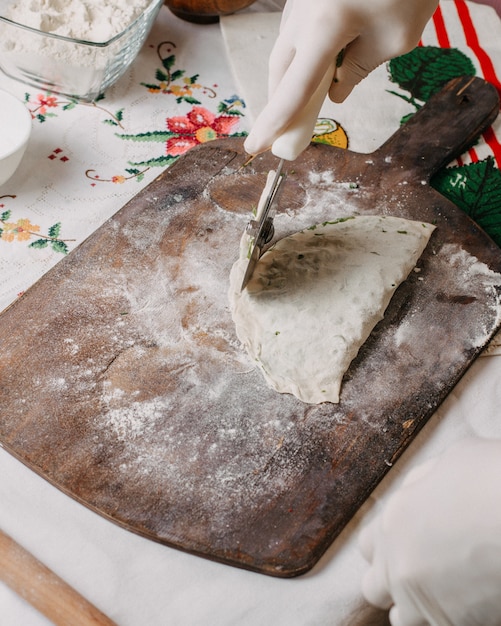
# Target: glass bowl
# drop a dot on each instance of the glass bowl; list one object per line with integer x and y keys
{"x": 15, "y": 129}
{"x": 73, "y": 67}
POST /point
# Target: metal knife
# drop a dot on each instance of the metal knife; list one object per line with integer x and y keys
{"x": 261, "y": 230}
{"x": 287, "y": 147}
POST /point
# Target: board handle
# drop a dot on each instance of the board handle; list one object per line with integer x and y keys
{"x": 445, "y": 127}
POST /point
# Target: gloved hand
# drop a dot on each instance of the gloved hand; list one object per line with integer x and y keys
{"x": 312, "y": 33}
{"x": 435, "y": 551}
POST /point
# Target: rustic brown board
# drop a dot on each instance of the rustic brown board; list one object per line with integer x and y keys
{"x": 123, "y": 384}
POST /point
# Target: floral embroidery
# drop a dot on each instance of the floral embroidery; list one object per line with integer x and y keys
{"x": 167, "y": 76}
{"x": 181, "y": 132}
{"x": 118, "y": 179}
{"x": 184, "y": 132}
{"x": 198, "y": 126}
{"x": 23, "y": 230}
{"x": 45, "y": 102}
{"x": 39, "y": 107}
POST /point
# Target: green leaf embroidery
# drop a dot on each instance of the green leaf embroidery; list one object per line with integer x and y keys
{"x": 59, "y": 246}
{"x": 5, "y": 216}
{"x": 177, "y": 75}
{"x": 188, "y": 99}
{"x": 169, "y": 61}
{"x": 39, "y": 243}
{"x": 151, "y": 86}
{"x": 156, "y": 135}
{"x": 161, "y": 76}
{"x": 425, "y": 70}
{"x": 406, "y": 118}
{"x": 226, "y": 107}
{"x": 476, "y": 189}
{"x": 55, "y": 231}
{"x": 137, "y": 174}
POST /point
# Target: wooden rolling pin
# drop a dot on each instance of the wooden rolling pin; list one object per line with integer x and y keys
{"x": 44, "y": 590}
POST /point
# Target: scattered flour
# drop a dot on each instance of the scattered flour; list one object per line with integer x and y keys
{"x": 160, "y": 401}
{"x": 479, "y": 290}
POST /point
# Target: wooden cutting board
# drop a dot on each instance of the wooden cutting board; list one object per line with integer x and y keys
{"x": 123, "y": 384}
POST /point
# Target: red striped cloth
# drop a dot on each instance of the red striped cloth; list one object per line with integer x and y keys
{"x": 454, "y": 26}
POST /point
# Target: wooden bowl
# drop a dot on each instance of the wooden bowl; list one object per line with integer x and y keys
{"x": 205, "y": 11}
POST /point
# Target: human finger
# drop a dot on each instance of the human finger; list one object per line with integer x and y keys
{"x": 300, "y": 60}
{"x": 389, "y": 36}
{"x": 289, "y": 99}
{"x": 375, "y": 587}
{"x": 407, "y": 617}
{"x": 366, "y": 541}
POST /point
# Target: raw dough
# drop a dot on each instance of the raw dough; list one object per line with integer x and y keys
{"x": 315, "y": 297}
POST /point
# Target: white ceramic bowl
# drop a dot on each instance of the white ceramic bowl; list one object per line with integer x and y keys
{"x": 15, "y": 129}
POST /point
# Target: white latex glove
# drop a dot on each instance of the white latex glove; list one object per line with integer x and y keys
{"x": 435, "y": 551}
{"x": 312, "y": 33}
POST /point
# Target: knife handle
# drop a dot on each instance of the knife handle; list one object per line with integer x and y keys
{"x": 297, "y": 136}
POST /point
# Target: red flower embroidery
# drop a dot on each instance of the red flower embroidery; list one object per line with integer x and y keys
{"x": 46, "y": 101}
{"x": 198, "y": 126}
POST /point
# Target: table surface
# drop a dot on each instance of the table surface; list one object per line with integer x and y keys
{"x": 83, "y": 163}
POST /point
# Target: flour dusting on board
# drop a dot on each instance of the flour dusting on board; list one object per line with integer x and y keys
{"x": 478, "y": 284}
{"x": 137, "y": 388}
{"x": 214, "y": 435}
{"x": 201, "y": 436}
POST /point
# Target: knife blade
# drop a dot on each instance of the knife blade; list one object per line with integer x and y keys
{"x": 261, "y": 229}
{"x": 287, "y": 147}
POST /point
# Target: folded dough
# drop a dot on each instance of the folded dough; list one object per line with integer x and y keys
{"x": 316, "y": 295}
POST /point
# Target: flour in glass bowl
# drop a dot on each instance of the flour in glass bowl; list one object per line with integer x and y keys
{"x": 88, "y": 20}
{"x": 102, "y": 39}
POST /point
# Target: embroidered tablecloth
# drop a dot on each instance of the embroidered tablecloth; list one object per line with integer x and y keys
{"x": 85, "y": 161}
